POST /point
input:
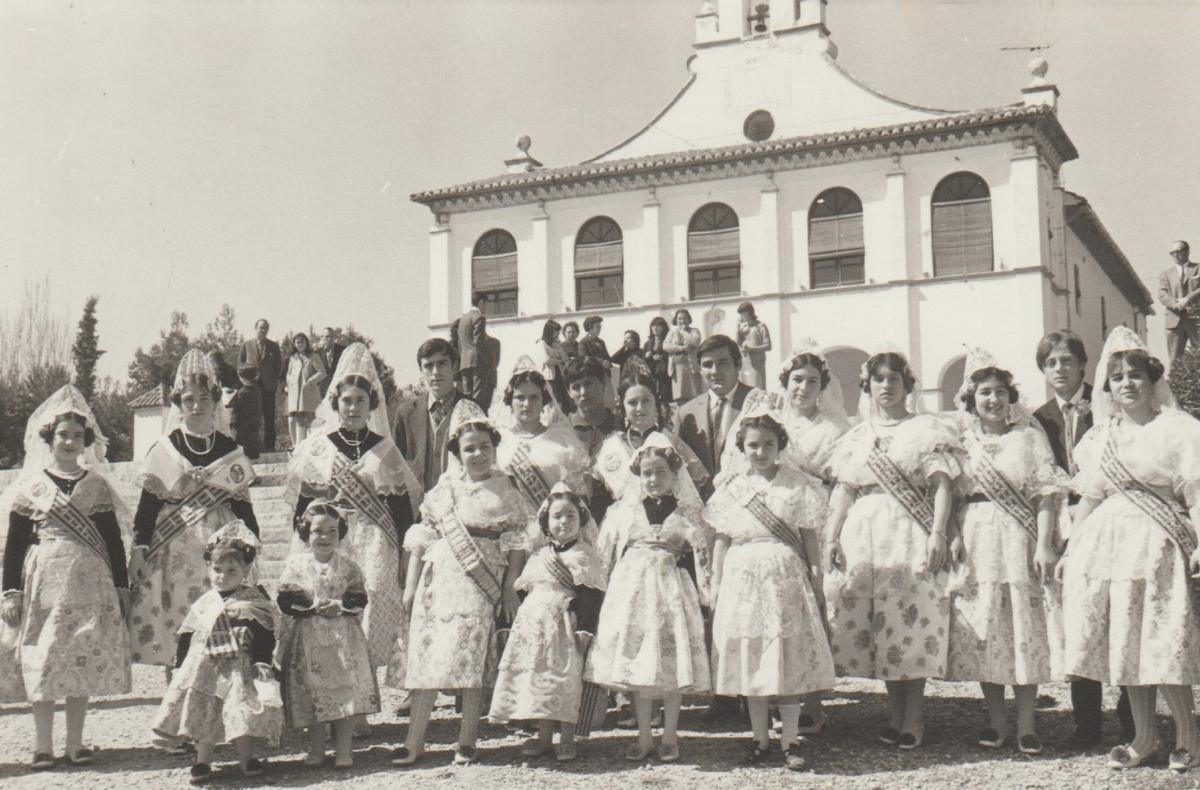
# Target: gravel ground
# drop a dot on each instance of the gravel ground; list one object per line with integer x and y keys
{"x": 846, "y": 755}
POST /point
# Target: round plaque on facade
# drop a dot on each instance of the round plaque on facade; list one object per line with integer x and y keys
{"x": 759, "y": 126}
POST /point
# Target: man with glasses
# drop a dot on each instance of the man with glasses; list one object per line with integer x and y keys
{"x": 1178, "y": 288}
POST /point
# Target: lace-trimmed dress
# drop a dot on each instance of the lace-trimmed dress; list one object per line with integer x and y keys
{"x": 1003, "y": 620}
{"x": 541, "y": 671}
{"x": 72, "y": 640}
{"x": 650, "y": 637}
{"x": 811, "y": 443}
{"x": 327, "y": 672}
{"x": 556, "y": 454}
{"x": 889, "y": 616}
{"x": 768, "y": 634}
{"x": 1127, "y": 593}
{"x": 452, "y": 637}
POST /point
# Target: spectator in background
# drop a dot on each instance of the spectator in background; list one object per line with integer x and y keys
{"x": 246, "y": 415}
{"x": 682, "y": 343}
{"x": 263, "y": 355}
{"x": 592, "y": 345}
{"x": 570, "y": 341}
{"x": 553, "y": 361}
{"x": 302, "y": 387}
{"x": 629, "y": 357}
{"x": 754, "y": 340}
{"x": 332, "y": 347}
{"x": 658, "y": 360}
{"x": 1178, "y": 287}
{"x": 421, "y": 425}
{"x": 467, "y": 335}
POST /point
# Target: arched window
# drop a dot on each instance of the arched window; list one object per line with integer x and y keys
{"x": 835, "y": 239}
{"x": 599, "y": 264}
{"x": 962, "y": 225}
{"x": 714, "y": 256}
{"x": 845, "y": 364}
{"x": 952, "y": 381}
{"x": 494, "y": 272}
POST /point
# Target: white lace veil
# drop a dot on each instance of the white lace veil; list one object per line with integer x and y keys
{"x": 685, "y": 488}
{"x": 831, "y": 405}
{"x": 195, "y": 361}
{"x": 978, "y": 359}
{"x": 356, "y": 360}
{"x": 501, "y": 416}
{"x": 914, "y": 401}
{"x": 1122, "y": 338}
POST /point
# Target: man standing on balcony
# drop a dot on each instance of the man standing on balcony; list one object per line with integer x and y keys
{"x": 468, "y": 334}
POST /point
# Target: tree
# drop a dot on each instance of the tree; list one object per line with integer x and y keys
{"x": 1184, "y": 381}
{"x": 156, "y": 367}
{"x": 86, "y": 350}
{"x": 221, "y": 333}
{"x": 111, "y": 407}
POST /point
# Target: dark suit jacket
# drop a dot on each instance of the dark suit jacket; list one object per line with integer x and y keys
{"x": 491, "y": 347}
{"x": 1171, "y": 290}
{"x": 696, "y": 432}
{"x": 1051, "y": 418}
{"x": 268, "y": 362}
{"x": 411, "y": 430}
{"x": 468, "y": 332}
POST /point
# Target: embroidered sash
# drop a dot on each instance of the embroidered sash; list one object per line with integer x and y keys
{"x": 1004, "y": 495}
{"x": 757, "y": 507}
{"x": 527, "y": 476}
{"x": 227, "y": 475}
{"x": 1169, "y": 515}
{"x": 557, "y": 568}
{"x": 894, "y": 481}
{"x": 352, "y": 489}
{"x": 466, "y": 552}
{"x": 48, "y": 498}
{"x": 211, "y": 619}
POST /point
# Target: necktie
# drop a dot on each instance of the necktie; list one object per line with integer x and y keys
{"x": 718, "y": 426}
{"x": 436, "y": 413}
{"x": 1068, "y": 410}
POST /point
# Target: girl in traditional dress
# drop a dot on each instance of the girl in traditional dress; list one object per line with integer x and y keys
{"x": 650, "y": 637}
{"x": 1000, "y": 631}
{"x": 642, "y": 414}
{"x": 223, "y": 679}
{"x": 769, "y": 640}
{"x": 682, "y": 343}
{"x": 327, "y": 672}
{"x": 888, "y": 607}
{"x": 64, "y": 580}
{"x": 541, "y": 671}
{"x": 466, "y": 553}
{"x": 194, "y": 479}
{"x": 1128, "y": 590}
{"x": 352, "y": 460}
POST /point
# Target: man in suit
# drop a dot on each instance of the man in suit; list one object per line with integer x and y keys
{"x": 491, "y": 348}
{"x": 705, "y": 423}
{"x": 468, "y": 334}
{"x": 263, "y": 354}
{"x": 1066, "y": 417}
{"x": 1178, "y": 287}
{"x": 421, "y": 424}
{"x": 331, "y": 352}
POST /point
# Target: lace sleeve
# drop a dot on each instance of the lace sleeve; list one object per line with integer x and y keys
{"x": 419, "y": 538}
{"x": 1046, "y": 477}
{"x": 1089, "y": 481}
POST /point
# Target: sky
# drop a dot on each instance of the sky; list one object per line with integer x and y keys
{"x": 181, "y": 155}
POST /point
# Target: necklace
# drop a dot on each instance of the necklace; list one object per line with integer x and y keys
{"x": 210, "y": 440}
{"x": 355, "y": 441}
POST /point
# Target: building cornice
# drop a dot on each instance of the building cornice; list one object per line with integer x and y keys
{"x": 1083, "y": 220}
{"x": 1037, "y": 124}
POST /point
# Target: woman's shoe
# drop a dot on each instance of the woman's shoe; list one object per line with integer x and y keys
{"x": 566, "y": 752}
{"x": 909, "y": 741}
{"x": 634, "y": 752}
{"x": 253, "y": 767}
{"x": 668, "y": 752}
{"x": 1029, "y": 744}
{"x": 403, "y": 757}
{"x": 82, "y": 756}
{"x": 990, "y": 739}
{"x": 1123, "y": 757}
{"x": 314, "y": 760}
{"x": 890, "y": 736}
{"x": 1181, "y": 760}
{"x": 810, "y": 726}
{"x": 42, "y": 761}
{"x": 465, "y": 755}
{"x": 343, "y": 763}
{"x": 793, "y": 760}
{"x": 535, "y": 747}
{"x": 201, "y": 774}
{"x": 757, "y": 754}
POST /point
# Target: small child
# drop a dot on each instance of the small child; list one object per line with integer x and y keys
{"x": 327, "y": 673}
{"x": 246, "y": 412}
{"x": 650, "y": 637}
{"x": 769, "y": 641}
{"x": 541, "y": 671}
{"x": 223, "y": 661}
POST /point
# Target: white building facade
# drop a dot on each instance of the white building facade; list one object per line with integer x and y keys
{"x": 775, "y": 177}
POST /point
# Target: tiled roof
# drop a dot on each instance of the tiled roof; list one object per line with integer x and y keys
{"x": 1082, "y": 219}
{"x": 1040, "y": 116}
{"x": 147, "y": 399}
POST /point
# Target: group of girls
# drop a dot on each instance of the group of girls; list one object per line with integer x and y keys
{"x": 907, "y": 547}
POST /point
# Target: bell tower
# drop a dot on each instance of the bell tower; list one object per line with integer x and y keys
{"x": 727, "y": 21}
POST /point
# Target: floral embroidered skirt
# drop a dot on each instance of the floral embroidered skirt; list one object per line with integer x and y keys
{"x": 379, "y": 559}
{"x": 72, "y": 640}
{"x": 650, "y": 638}
{"x": 1127, "y": 596}
{"x": 768, "y": 639}
{"x": 541, "y": 671}
{"x": 1002, "y": 617}
{"x": 889, "y": 617}
{"x": 214, "y": 700}
{"x": 327, "y": 674}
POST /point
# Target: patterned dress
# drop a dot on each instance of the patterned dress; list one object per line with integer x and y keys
{"x": 452, "y": 638}
{"x": 212, "y": 695}
{"x": 375, "y": 547}
{"x": 72, "y": 640}
{"x": 175, "y": 519}
{"x": 541, "y": 671}
{"x": 1004, "y": 621}
{"x": 327, "y": 672}
{"x": 536, "y": 463}
{"x": 650, "y": 638}
{"x": 1127, "y": 591}
{"x": 768, "y": 632}
{"x": 889, "y": 616}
